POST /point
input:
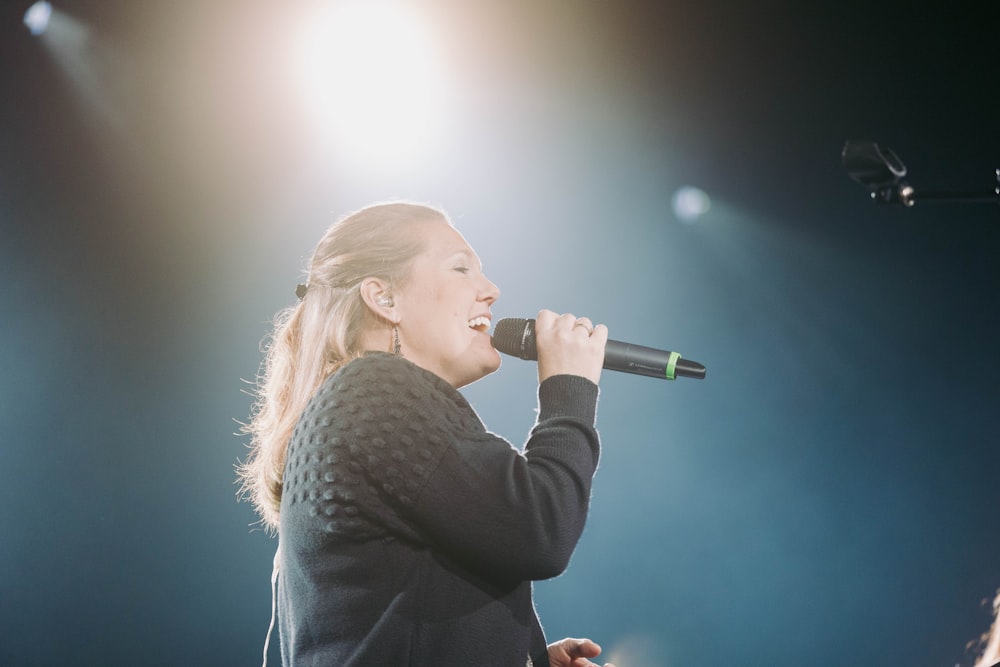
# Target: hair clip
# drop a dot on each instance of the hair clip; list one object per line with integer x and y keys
{"x": 300, "y": 291}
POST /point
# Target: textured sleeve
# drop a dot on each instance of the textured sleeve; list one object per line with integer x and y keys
{"x": 387, "y": 448}
{"x": 517, "y": 515}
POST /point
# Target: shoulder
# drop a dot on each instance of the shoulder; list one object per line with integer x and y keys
{"x": 386, "y": 388}
{"x": 386, "y": 371}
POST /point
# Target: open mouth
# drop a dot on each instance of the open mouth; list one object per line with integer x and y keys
{"x": 480, "y": 324}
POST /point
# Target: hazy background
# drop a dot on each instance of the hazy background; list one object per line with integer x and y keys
{"x": 827, "y": 496}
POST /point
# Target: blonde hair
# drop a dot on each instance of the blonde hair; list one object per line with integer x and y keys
{"x": 991, "y": 639}
{"x": 313, "y": 338}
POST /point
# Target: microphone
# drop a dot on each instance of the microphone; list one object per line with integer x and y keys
{"x": 516, "y": 336}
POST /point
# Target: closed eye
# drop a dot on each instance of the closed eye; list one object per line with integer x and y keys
{"x": 462, "y": 269}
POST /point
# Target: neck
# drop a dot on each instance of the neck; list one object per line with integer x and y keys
{"x": 377, "y": 340}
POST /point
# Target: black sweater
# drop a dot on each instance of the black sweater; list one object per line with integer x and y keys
{"x": 410, "y": 535}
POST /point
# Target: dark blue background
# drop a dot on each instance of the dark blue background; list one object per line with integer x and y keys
{"x": 827, "y": 496}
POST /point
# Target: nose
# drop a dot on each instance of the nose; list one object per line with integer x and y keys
{"x": 488, "y": 292}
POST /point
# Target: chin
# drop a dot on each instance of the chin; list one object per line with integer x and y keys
{"x": 486, "y": 369}
{"x": 494, "y": 366}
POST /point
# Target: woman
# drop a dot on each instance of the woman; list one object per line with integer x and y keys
{"x": 409, "y": 534}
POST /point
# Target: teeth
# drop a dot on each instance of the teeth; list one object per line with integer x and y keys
{"x": 481, "y": 323}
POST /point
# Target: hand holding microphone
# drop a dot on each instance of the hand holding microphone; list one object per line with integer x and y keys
{"x": 517, "y": 337}
{"x": 568, "y": 345}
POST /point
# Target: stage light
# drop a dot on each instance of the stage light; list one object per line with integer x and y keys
{"x": 690, "y": 204}
{"x": 37, "y": 17}
{"x": 371, "y": 76}
{"x": 881, "y": 171}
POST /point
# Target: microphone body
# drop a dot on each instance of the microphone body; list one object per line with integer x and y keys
{"x": 516, "y": 336}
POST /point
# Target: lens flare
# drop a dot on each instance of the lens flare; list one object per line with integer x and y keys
{"x": 690, "y": 204}
{"x": 37, "y": 17}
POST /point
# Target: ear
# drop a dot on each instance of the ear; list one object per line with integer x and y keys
{"x": 377, "y": 297}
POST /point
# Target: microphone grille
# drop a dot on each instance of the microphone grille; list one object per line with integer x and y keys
{"x": 516, "y": 336}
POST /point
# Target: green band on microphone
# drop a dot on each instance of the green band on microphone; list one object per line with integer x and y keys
{"x": 672, "y": 365}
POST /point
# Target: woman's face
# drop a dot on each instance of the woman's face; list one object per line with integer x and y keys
{"x": 444, "y": 309}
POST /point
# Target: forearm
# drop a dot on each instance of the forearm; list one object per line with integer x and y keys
{"x": 513, "y": 516}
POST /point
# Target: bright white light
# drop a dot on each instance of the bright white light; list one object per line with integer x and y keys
{"x": 690, "y": 204}
{"x": 37, "y": 17}
{"x": 370, "y": 73}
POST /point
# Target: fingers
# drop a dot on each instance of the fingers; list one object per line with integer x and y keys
{"x": 582, "y": 648}
{"x": 585, "y": 324}
{"x": 573, "y": 652}
{"x": 569, "y": 345}
{"x": 566, "y": 322}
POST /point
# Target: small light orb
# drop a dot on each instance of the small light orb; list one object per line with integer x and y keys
{"x": 37, "y": 17}
{"x": 690, "y": 203}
